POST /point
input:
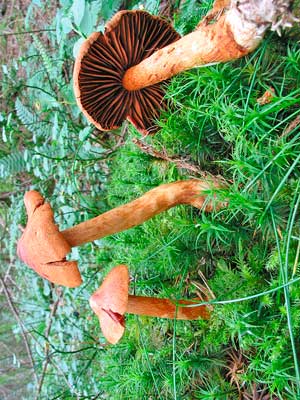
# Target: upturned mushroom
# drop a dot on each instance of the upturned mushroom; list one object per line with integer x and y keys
{"x": 117, "y": 75}
{"x": 111, "y": 301}
{"x": 129, "y": 37}
{"x": 44, "y": 248}
{"x": 231, "y": 30}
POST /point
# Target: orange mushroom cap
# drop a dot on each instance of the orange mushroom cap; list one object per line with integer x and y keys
{"x": 129, "y": 38}
{"x": 109, "y": 303}
{"x": 42, "y": 247}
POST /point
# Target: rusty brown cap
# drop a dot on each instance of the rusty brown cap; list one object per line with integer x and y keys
{"x": 129, "y": 38}
{"x": 109, "y": 303}
{"x": 42, "y": 247}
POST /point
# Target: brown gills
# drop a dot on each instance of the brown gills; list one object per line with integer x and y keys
{"x": 135, "y": 37}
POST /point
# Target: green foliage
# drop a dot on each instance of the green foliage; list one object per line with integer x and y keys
{"x": 12, "y": 164}
{"x": 189, "y": 14}
{"x": 248, "y": 251}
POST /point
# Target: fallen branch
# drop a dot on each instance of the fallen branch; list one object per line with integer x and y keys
{"x": 121, "y": 139}
{"x": 7, "y": 276}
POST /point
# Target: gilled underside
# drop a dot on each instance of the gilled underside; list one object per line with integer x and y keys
{"x": 128, "y": 39}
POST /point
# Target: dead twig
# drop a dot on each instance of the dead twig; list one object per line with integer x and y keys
{"x": 215, "y": 13}
{"x": 58, "y": 369}
{"x": 8, "y": 276}
{"x": 120, "y": 141}
{"x": 291, "y": 126}
{"x": 47, "y": 333}
{"x": 20, "y": 322}
{"x": 148, "y": 149}
{"x": 166, "y": 9}
{"x": 26, "y": 32}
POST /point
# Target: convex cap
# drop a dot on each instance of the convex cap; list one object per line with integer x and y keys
{"x": 110, "y": 301}
{"x": 43, "y": 247}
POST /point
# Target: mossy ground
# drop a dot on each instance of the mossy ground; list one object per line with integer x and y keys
{"x": 246, "y": 253}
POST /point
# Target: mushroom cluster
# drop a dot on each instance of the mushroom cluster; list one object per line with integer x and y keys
{"x": 117, "y": 76}
{"x": 44, "y": 248}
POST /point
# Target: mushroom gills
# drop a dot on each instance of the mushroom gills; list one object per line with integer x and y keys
{"x": 130, "y": 37}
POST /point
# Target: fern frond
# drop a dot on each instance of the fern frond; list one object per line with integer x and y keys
{"x": 109, "y": 8}
{"x": 47, "y": 61}
{"x": 28, "y": 118}
{"x": 12, "y": 164}
{"x": 152, "y": 6}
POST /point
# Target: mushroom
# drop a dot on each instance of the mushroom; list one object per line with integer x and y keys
{"x": 111, "y": 301}
{"x": 232, "y": 29}
{"x": 44, "y": 248}
{"x": 117, "y": 74}
{"x": 102, "y": 61}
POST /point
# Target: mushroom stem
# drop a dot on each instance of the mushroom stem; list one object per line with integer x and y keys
{"x": 220, "y": 37}
{"x": 165, "y": 308}
{"x": 140, "y": 210}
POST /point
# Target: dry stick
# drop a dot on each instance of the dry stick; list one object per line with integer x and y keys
{"x": 58, "y": 369}
{"x": 166, "y": 9}
{"x": 120, "y": 141}
{"x": 7, "y": 276}
{"x": 46, "y": 362}
{"x": 148, "y": 149}
{"x": 291, "y": 126}
{"x": 20, "y": 322}
{"x": 2, "y": 223}
{"x": 26, "y": 32}
{"x": 9, "y": 262}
